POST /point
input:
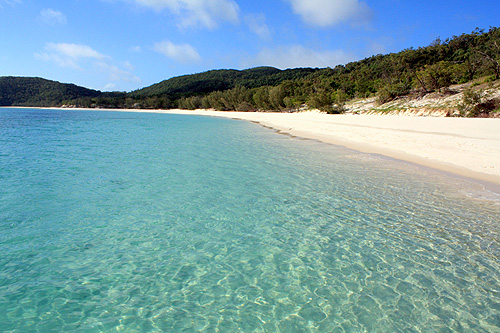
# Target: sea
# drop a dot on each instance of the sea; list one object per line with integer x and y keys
{"x": 146, "y": 222}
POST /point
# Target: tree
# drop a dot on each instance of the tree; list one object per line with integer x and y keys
{"x": 276, "y": 97}
{"x": 321, "y": 100}
{"x": 261, "y": 98}
{"x": 470, "y": 105}
{"x": 436, "y": 76}
{"x": 491, "y": 50}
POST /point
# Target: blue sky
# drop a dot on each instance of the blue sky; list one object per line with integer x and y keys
{"x": 125, "y": 45}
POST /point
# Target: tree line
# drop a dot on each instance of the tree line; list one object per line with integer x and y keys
{"x": 458, "y": 59}
{"x": 38, "y": 92}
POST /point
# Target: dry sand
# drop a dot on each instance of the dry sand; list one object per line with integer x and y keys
{"x": 468, "y": 147}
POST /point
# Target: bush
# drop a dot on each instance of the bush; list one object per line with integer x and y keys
{"x": 336, "y": 108}
{"x": 389, "y": 92}
{"x": 475, "y": 104}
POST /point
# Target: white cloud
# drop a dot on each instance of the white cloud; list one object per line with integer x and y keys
{"x": 128, "y": 65}
{"x": 115, "y": 73}
{"x": 299, "y": 56}
{"x": 257, "y": 24}
{"x": 68, "y": 55}
{"x": 9, "y": 2}
{"x": 205, "y": 13}
{"x": 184, "y": 53}
{"x": 109, "y": 87}
{"x": 52, "y": 17}
{"x": 326, "y": 13}
{"x": 84, "y": 58}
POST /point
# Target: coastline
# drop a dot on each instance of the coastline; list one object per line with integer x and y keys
{"x": 467, "y": 147}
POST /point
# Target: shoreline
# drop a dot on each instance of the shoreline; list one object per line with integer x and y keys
{"x": 466, "y": 147}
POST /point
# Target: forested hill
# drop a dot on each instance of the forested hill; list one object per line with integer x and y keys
{"x": 220, "y": 80}
{"x": 33, "y": 91}
{"x": 413, "y": 73}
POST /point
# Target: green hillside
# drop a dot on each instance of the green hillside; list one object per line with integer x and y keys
{"x": 33, "y": 91}
{"x": 219, "y": 80}
{"x": 413, "y": 73}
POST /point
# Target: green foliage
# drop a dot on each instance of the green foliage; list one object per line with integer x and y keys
{"x": 338, "y": 106}
{"x": 470, "y": 101}
{"x": 261, "y": 99}
{"x": 321, "y": 99}
{"x": 459, "y": 59}
{"x": 436, "y": 76}
{"x": 391, "y": 90}
{"x": 475, "y": 103}
{"x": 220, "y": 80}
{"x": 26, "y": 91}
{"x": 489, "y": 49}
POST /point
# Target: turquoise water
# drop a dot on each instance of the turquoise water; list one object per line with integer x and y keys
{"x": 148, "y": 222}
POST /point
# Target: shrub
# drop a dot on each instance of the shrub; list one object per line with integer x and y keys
{"x": 475, "y": 104}
{"x": 389, "y": 92}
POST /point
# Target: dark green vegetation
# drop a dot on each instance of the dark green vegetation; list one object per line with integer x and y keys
{"x": 29, "y": 91}
{"x": 459, "y": 59}
{"x": 219, "y": 80}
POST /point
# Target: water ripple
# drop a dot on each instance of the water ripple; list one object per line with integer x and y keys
{"x": 175, "y": 223}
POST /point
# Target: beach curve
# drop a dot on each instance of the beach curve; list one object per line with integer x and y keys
{"x": 468, "y": 147}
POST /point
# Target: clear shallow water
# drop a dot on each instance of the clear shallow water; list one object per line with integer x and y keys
{"x": 147, "y": 222}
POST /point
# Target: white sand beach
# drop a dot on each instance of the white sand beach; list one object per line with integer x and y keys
{"x": 468, "y": 147}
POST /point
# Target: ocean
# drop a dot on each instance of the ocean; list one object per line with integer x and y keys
{"x": 158, "y": 222}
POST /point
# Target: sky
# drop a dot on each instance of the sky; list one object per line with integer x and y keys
{"x": 124, "y": 45}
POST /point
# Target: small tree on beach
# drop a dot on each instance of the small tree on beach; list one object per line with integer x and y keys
{"x": 474, "y": 103}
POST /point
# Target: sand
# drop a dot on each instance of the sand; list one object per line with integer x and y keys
{"x": 468, "y": 147}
